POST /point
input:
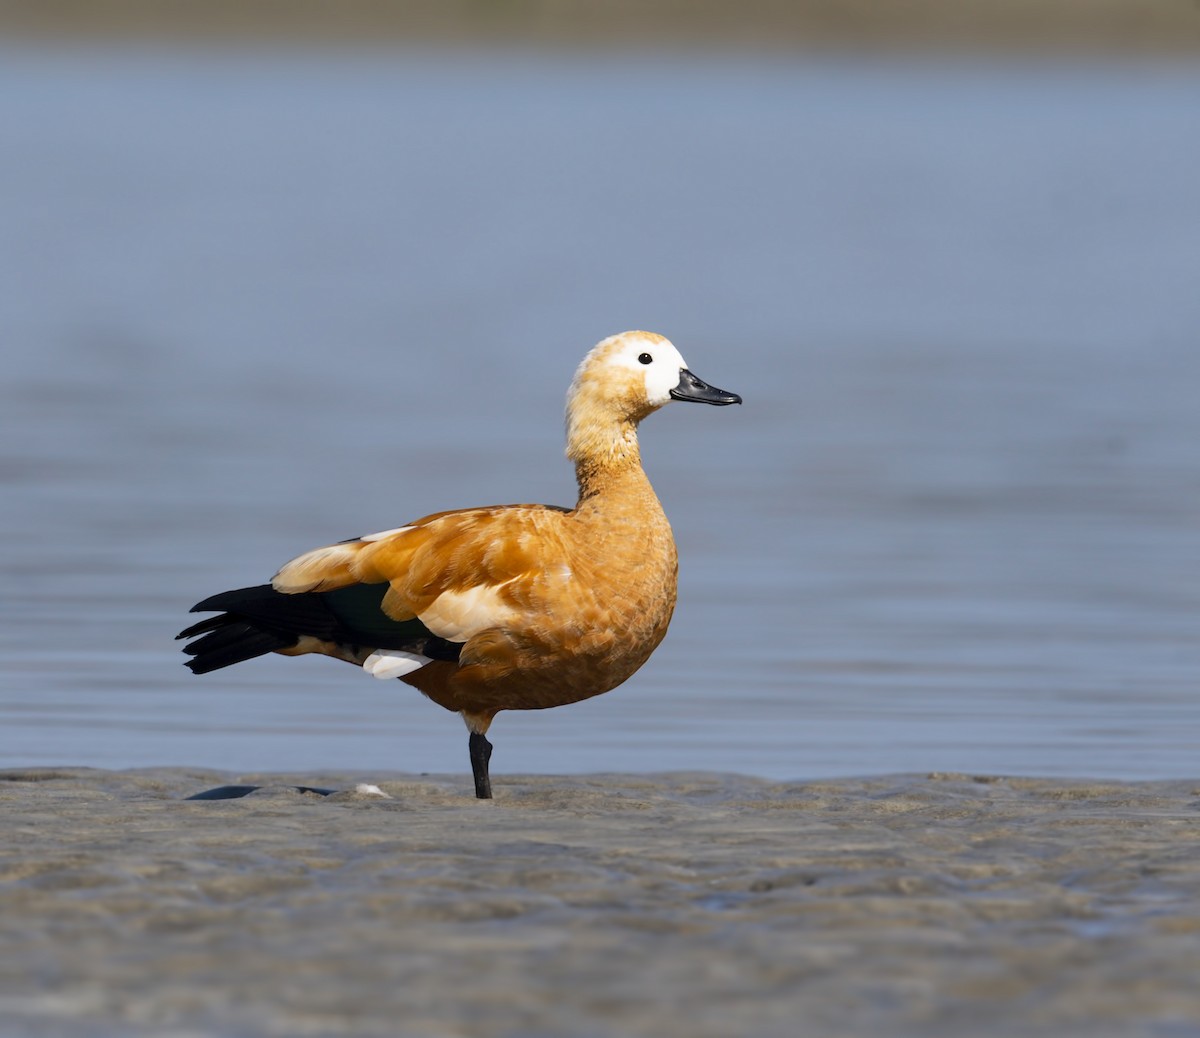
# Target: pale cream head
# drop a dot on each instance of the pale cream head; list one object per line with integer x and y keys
{"x": 632, "y": 373}
{"x": 621, "y": 381}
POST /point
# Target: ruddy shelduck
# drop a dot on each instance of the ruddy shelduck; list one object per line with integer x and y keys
{"x": 510, "y": 607}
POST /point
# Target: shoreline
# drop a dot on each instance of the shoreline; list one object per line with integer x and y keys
{"x": 606, "y": 904}
{"x": 1115, "y": 27}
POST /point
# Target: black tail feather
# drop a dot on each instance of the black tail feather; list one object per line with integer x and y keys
{"x": 230, "y": 634}
{"x": 256, "y": 620}
{"x": 300, "y": 612}
{"x": 233, "y": 642}
{"x": 203, "y": 627}
{"x": 252, "y": 622}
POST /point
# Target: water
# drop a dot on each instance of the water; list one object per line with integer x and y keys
{"x": 252, "y": 303}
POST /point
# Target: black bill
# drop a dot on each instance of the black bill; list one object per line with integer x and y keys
{"x": 692, "y": 388}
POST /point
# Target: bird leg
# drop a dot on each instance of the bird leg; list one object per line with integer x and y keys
{"x": 481, "y": 753}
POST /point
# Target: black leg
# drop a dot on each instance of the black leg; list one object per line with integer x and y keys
{"x": 481, "y": 753}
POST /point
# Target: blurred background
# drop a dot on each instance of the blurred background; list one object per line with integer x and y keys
{"x": 272, "y": 277}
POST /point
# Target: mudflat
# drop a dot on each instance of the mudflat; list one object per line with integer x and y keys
{"x": 690, "y": 904}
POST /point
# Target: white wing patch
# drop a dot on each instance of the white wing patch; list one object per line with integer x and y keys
{"x": 309, "y": 572}
{"x": 384, "y": 534}
{"x": 393, "y": 663}
{"x": 301, "y": 573}
{"x": 459, "y": 615}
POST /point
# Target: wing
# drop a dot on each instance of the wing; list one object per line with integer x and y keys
{"x": 457, "y": 573}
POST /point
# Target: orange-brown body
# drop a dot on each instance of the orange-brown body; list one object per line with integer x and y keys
{"x": 513, "y": 607}
{"x": 588, "y": 608}
{"x": 556, "y": 605}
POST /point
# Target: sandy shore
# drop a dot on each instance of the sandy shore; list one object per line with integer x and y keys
{"x": 698, "y": 905}
{"x": 1054, "y": 26}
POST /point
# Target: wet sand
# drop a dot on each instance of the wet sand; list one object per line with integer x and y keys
{"x": 690, "y": 904}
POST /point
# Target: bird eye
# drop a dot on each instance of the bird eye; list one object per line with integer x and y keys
{"x": 645, "y": 358}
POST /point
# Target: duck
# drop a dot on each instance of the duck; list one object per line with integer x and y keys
{"x": 503, "y": 607}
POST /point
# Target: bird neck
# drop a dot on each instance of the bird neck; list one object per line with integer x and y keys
{"x": 606, "y": 455}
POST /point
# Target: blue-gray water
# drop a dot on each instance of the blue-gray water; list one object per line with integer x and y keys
{"x": 253, "y": 303}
